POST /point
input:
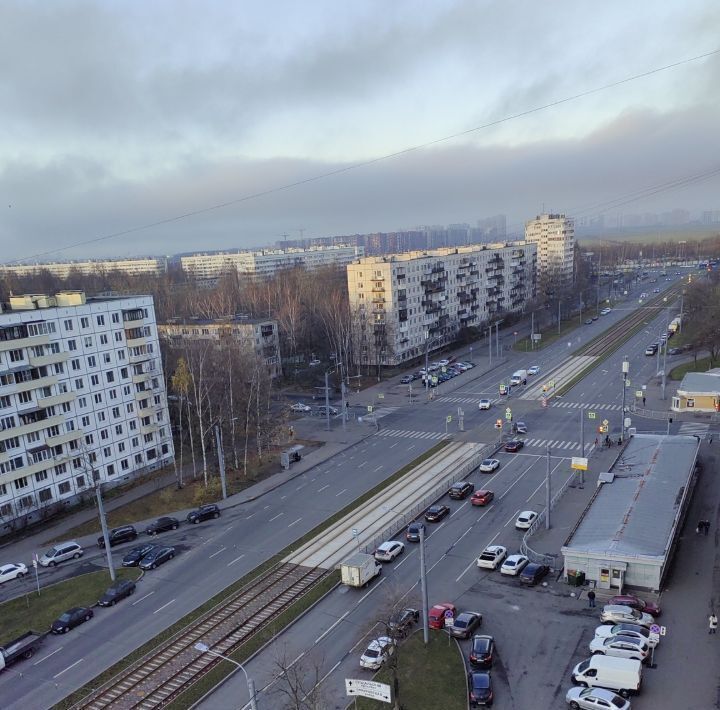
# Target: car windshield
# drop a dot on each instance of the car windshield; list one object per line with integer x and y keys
{"x": 481, "y": 645}
{"x": 51, "y": 553}
{"x": 618, "y": 702}
{"x": 64, "y": 617}
{"x": 461, "y": 623}
{"x": 372, "y": 653}
{"x": 481, "y": 681}
{"x": 487, "y": 462}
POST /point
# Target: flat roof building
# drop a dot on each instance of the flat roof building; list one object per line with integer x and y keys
{"x": 132, "y": 267}
{"x": 554, "y": 235}
{"x": 627, "y": 533}
{"x": 698, "y": 392}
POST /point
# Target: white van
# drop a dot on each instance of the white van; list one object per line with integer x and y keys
{"x": 623, "y": 675}
{"x": 60, "y": 553}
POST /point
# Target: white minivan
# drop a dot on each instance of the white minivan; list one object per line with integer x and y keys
{"x": 60, "y": 553}
{"x": 623, "y": 675}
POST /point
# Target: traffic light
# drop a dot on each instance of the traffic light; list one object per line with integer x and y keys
{"x": 498, "y": 423}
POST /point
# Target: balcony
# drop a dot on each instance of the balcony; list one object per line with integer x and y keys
{"x": 378, "y": 288}
{"x": 142, "y": 377}
{"x": 63, "y": 438}
{"x": 31, "y": 427}
{"x": 378, "y": 299}
{"x": 28, "y": 385}
{"x": 24, "y": 342}
{"x": 136, "y": 342}
{"x": 45, "y": 360}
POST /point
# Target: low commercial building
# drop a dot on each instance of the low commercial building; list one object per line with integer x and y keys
{"x": 698, "y": 392}
{"x": 628, "y": 532}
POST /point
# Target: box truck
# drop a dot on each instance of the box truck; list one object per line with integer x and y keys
{"x": 519, "y": 377}
{"x": 623, "y": 675}
{"x": 359, "y": 569}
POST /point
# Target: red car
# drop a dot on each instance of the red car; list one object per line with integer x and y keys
{"x": 436, "y": 617}
{"x": 482, "y": 497}
{"x": 636, "y": 603}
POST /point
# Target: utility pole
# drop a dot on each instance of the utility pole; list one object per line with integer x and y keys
{"x": 532, "y": 330}
{"x": 559, "y": 316}
{"x": 423, "y": 588}
{"x": 582, "y": 446}
{"x": 490, "y": 343}
{"x": 664, "y": 347}
{"x": 497, "y": 337}
{"x": 343, "y": 410}
{"x": 221, "y": 458}
{"x": 547, "y": 492}
{"x": 327, "y": 402}
{"x": 625, "y": 370}
{"x": 103, "y": 525}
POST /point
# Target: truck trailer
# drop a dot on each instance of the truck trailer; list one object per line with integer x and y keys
{"x": 358, "y": 570}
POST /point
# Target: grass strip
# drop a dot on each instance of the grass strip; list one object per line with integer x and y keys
{"x": 431, "y": 676}
{"x": 37, "y": 612}
{"x": 700, "y": 365}
{"x": 153, "y": 643}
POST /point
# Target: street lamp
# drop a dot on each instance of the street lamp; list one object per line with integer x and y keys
{"x": 625, "y": 371}
{"x": 204, "y": 648}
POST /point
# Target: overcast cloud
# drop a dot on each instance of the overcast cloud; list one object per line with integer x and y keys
{"x": 125, "y": 113}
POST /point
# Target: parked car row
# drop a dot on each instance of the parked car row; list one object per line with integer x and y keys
{"x": 438, "y": 372}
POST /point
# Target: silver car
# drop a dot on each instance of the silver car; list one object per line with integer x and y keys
{"x": 60, "y": 553}
{"x": 620, "y": 647}
{"x": 618, "y": 614}
{"x": 595, "y": 699}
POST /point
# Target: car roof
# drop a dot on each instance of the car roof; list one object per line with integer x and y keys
{"x": 493, "y": 548}
{"x": 515, "y": 558}
{"x": 526, "y": 513}
{"x": 388, "y": 543}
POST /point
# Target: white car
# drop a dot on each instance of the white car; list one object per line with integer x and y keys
{"x": 619, "y": 614}
{"x": 300, "y": 407}
{"x": 525, "y": 519}
{"x": 444, "y": 362}
{"x": 389, "y": 550}
{"x": 632, "y": 630}
{"x": 595, "y": 699}
{"x": 534, "y": 370}
{"x": 377, "y": 653}
{"x": 620, "y": 647}
{"x": 489, "y": 465}
{"x": 314, "y": 362}
{"x": 514, "y": 564}
{"x": 14, "y": 570}
{"x": 605, "y": 311}
{"x": 492, "y": 557}
{"x": 484, "y": 404}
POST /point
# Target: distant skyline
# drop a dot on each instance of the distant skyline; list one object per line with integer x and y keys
{"x": 117, "y": 115}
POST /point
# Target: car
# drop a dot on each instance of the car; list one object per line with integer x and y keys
{"x": 482, "y": 497}
{"x": 133, "y": 557}
{"x": 314, "y": 362}
{"x": 157, "y": 557}
{"x": 525, "y": 519}
{"x": 461, "y": 490}
{"x": 60, "y": 553}
{"x": 444, "y": 362}
{"x": 14, "y": 570}
{"x": 482, "y": 651}
{"x": 406, "y": 379}
{"x": 322, "y": 410}
{"x": 388, "y": 551}
{"x": 620, "y": 647}
{"x": 402, "y": 621}
{"x": 514, "y": 564}
{"x": 204, "y": 512}
{"x": 521, "y": 428}
{"x": 651, "y": 349}
{"x": 534, "y": 370}
{"x": 619, "y": 614}
{"x": 605, "y": 311}
{"x": 484, "y": 404}
{"x": 300, "y": 408}
{"x": 595, "y": 699}
{"x": 126, "y": 533}
{"x": 464, "y": 624}
{"x": 631, "y": 630}
{"x": 674, "y": 351}
{"x": 636, "y": 603}
{"x": 480, "y": 689}
{"x": 162, "y": 525}
{"x": 120, "y": 590}
{"x": 492, "y": 557}
{"x": 413, "y": 531}
{"x": 71, "y": 618}
{"x": 594, "y": 318}
{"x": 377, "y": 653}
{"x": 514, "y": 446}
{"x": 435, "y": 513}
{"x": 489, "y": 465}
{"x": 437, "y": 614}
{"x": 534, "y": 573}
{"x": 588, "y": 321}
{"x": 656, "y": 290}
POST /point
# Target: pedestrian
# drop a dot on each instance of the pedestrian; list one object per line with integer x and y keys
{"x": 706, "y": 527}
{"x": 699, "y": 527}
{"x": 591, "y": 599}
{"x": 710, "y": 440}
{"x": 643, "y": 401}
{"x": 619, "y": 440}
{"x": 712, "y": 623}
{"x": 596, "y": 441}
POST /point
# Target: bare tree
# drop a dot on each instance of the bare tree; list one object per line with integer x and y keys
{"x": 299, "y": 681}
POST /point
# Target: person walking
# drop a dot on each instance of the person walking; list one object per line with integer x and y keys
{"x": 643, "y": 401}
{"x": 706, "y": 527}
{"x": 591, "y": 599}
{"x": 712, "y": 623}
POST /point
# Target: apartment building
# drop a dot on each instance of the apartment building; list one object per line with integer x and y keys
{"x": 257, "y": 335}
{"x": 403, "y": 302}
{"x": 132, "y": 267}
{"x": 554, "y": 235}
{"x": 266, "y": 262}
{"x": 82, "y": 400}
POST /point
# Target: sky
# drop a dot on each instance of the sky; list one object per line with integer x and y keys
{"x": 117, "y": 115}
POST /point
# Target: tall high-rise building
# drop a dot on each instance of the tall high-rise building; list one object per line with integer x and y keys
{"x": 82, "y": 399}
{"x": 554, "y": 235}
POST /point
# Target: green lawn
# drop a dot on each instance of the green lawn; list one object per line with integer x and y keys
{"x": 703, "y": 364}
{"x": 428, "y": 677}
{"x": 33, "y": 612}
{"x": 550, "y": 333}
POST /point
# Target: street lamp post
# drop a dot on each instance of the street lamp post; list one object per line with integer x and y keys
{"x": 204, "y": 648}
{"x": 625, "y": 371}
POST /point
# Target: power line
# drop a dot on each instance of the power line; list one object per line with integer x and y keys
{"x": 371, "y": 161}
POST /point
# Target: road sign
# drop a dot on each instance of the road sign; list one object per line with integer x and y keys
{"x": 507, "y": 410}
{"x": 502, "y": 388}
{"x": 638, "y": 393}
{"x": 369, "y": 407}
{"x": 449, "y": 614}
{"x": 544, "y": 401}
{"x": 579, "y": 463}
{"x": 552, "y": 383}
{"x": 448, "y": 418}
{"x": 655, "y": 629}
{"x": 605, "y": 422}
{"x": 537, "y": 336}
{"x": 508, "y": 415}
{"x": 355, "y": 532}
{"x": 498, "y": 423}
{"x": 381, "y": 395}
{"x": 591, "y": 415}
{"x": 368, "y": 689}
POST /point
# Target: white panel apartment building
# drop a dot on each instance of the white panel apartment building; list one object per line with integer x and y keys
{"x": 554, "y": 235}
{"x": 82, "y": 396}
{"x": 400, "y": 301}
{"x": 132, "y": 267}
{"x": 267, "y": 262}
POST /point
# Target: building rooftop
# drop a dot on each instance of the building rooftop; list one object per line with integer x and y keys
{"x": 636, "y": 513}
{"x": 701, "y": 382}
{"x": 442, "y": 251}
{"x": 229, "y": 320}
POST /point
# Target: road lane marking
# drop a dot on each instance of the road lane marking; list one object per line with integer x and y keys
{"x": 57, "y": 675}
{"x": 232, "y": 562}
{"x": 367, "y": 594}
{"x": 247, "y": 517}
{"x": 463, "y": 535}
{"x": 52, "y": 653}
{"x": 434, "y": 531}
{"x": 410, "y": 448}
{"x": 517, "y": 479}
{"x": 222, "y": 549}
{"x": 294, "y": 521}
{"x": 163, "y": 606}
{"x": 404, "y": 559}
{"x": 394, "y": 445}
{"x": 283, "y": 497}
{"x": 378, "y": 468}
{"x": 266, "y": 507}
{"x": 364, "y": 463}
{"x": 458, "y": 509}
{"x": 320, "y": 490}
{"x": 341, "y": 492}
{"x": 512, "y": 517}
{"x": 300, "y": 486}
{"x": 331, "y": 627}
{"x": 145, "y": 597}
{"x": 292, "y": 663}
{"x": 276, "y": 517}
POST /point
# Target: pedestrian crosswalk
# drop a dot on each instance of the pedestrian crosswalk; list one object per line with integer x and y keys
{"x": 412, "y": 434}
{"x": 694, "y": 429}
{"x": 380, "y": 412}
{"x": 556, "y": 445}
{"x": 467, "y": 400}
{"x": 585, "y": 405}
